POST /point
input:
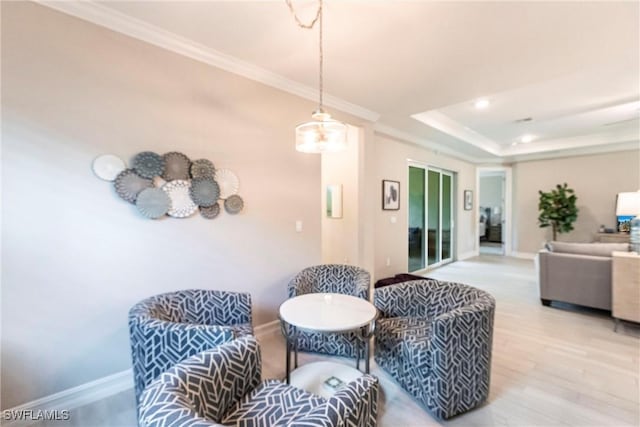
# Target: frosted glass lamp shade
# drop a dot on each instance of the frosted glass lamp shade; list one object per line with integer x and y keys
{"x": 628, "y": 204}
{"x": 321, "y": 135}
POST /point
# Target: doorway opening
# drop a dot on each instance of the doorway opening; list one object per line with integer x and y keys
{"x": 492, "y": 230}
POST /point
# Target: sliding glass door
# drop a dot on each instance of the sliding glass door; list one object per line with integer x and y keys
{"x": 430, "y": 217}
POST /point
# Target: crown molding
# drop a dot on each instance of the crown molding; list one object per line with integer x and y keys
{"x": 392, "y": 132}
{"x": 580, "y": 151}
{"x": 141, "y": 30}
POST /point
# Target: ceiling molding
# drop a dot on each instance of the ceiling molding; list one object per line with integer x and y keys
{"x": 141, "y": 30}
{"x": 446, "y": 124}
{"x": 422, "y": 143}
{"x": 581, "y": 151}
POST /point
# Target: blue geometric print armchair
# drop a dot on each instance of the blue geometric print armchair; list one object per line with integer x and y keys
{"x": 221, "y": 387}
{"x": 330, "y": 278}
{"x": 167, "y": 328}
{"x": 435, "y": 339}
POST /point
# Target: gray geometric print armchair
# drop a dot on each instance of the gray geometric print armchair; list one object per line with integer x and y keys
{"x": 435, "y": 339}
{"x": 221, "y": 387}
{"x": 167, "y": 328}
{"x": 330, "y": 278}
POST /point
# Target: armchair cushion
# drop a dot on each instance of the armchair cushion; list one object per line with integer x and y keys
{"x": 271, "y": 403}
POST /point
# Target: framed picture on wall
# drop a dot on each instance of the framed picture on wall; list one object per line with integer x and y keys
{"x": 468, "y": 200}
{"x": 390, "y": 195}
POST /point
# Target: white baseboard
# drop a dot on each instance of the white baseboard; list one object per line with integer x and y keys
{"x": 267, "y": 329}
{"x": 468, "y": 255}
{"x": 93, "y": 391}
{"x": 74, "y": 397}
{"x": 523, "y": 255}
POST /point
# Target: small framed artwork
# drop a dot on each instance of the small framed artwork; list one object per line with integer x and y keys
{"x": 334, "y": 201}
{"x": 390, "y": 195}
{"x": 468, "y": 200}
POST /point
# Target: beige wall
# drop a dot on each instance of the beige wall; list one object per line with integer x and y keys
{"x": 340, "y": 236}
{"x": 596, "y": 180}
{"x": 391, "y": 162}
{"x": 75, "y": 257}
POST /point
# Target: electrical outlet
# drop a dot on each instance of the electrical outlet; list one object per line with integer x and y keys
{"x": 299, "y": 226}
{"x": 388, "y": 261}
{"x": 393, "y": 219}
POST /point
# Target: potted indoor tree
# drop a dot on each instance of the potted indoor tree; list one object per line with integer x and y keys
{"x": 557, "y": 209}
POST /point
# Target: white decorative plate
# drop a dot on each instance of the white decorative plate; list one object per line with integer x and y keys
{"x": 181, "y": 204}
{"x": 228, "y": 182}
{"x": 108, "y": 166}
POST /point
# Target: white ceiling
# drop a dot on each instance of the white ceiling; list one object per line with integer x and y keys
{"x": 573, "y": 67}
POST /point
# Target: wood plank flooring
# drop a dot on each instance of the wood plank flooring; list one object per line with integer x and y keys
{"x": 552, "y": 366}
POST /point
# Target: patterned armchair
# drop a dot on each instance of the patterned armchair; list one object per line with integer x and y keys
{"x": 167, "y": 328}
{"x": 330, "y": 278}
{"x": 435, "y": 339}
{"x": 221, "y": 387}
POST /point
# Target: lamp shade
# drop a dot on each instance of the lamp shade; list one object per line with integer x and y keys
{"x": 628, "y": 204}
{"x": 321, "y": 135}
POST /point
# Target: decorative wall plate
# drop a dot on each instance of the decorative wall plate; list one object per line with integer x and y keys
{"x": 228, "y": 182}
{"x": 128, "y": 184}
{"x": 153, "y": 203}
{"x": 108, "y": 166}
{"x": 177, "y": 166}
{"x": 210, "y": 212}
{"x": 233, "y": 204}
{"x": 148, "y": 164}
{"x": 204, "y": 191}
{"x": 202, "y": 168}
{"x": 181, "y": 204}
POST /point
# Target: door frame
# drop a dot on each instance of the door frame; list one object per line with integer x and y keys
{"x": 507, "y": 230}
{"x": 453, "y": 213}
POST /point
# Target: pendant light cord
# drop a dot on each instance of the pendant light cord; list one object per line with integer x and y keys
{"x": 317, "y": 18}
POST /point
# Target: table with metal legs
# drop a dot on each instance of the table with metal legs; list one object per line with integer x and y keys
{"x": 327, "y": 314}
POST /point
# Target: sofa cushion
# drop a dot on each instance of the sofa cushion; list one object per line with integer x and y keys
{"x": 594, "y": 249}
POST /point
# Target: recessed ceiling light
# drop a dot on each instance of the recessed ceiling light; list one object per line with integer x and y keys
{"x": 525, "y": 139}
{"x": 513, "y": 144}
{"x": 481, "y": 104}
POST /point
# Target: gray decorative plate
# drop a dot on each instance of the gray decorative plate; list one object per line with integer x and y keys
{"x": 181, "y": 204}
{"x": 228, "y": 182}
{"x": 210, "y": 212}
{"x": 153, "y": 203}
{"x": 128, "y": 184}
{"x": 108, "y": 166}
{"x": 148, "y": 164}
{"x": 177, "y": 166}
{"x": 233, "y": 204}
{"x": 204, "y": 191}
{"x": 202, "y": 168}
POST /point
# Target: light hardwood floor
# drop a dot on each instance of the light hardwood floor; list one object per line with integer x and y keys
{"x": 551, "y": 366}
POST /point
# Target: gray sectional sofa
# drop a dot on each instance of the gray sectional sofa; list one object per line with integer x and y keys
{"x": 577, "y": 273}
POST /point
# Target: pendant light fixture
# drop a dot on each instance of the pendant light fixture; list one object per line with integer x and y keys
{"x": 322, "y": 134}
